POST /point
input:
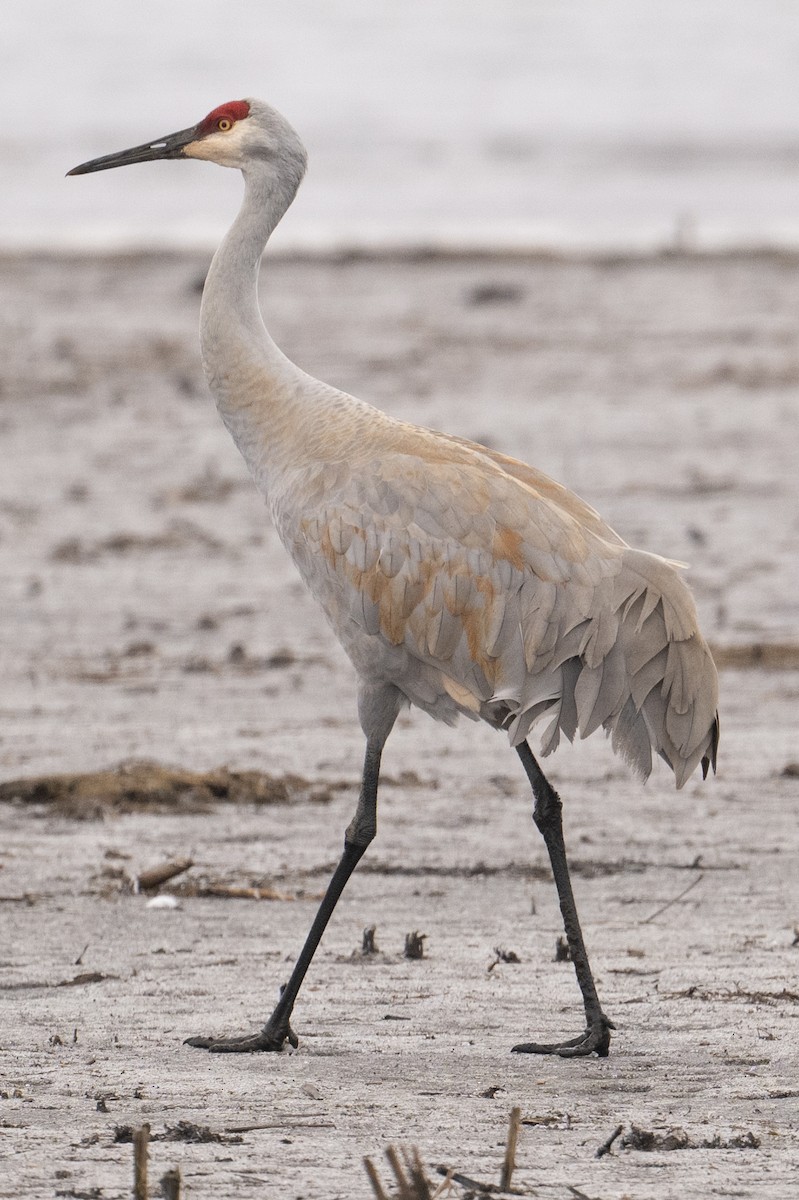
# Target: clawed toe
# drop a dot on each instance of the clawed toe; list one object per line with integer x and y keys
{"x": 595, "y": 1040}
{"x": 236, "y": 1045}
{"x": 264, "y": 1042}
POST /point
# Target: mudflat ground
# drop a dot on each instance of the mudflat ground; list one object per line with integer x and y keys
{"x": 149, "y": 614}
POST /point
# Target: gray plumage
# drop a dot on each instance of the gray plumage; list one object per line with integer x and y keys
{"x": 457, "y": 579}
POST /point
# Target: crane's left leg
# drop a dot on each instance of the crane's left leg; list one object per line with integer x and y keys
{"x": 379, "y": 708}
{"x": 547, "y": 816}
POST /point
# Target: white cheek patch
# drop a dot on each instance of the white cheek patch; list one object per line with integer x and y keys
{"x": 204, "y": 148}
{"x": 223, "y": 148}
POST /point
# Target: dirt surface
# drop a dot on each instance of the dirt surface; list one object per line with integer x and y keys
{"x": 152, "y": 620}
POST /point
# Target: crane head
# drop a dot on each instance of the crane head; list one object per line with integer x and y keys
{"x": 220, "y": 137}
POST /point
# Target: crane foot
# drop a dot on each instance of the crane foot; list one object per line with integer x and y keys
{"x": 595, "y": 1040}
{"x": 268, "y": 1040}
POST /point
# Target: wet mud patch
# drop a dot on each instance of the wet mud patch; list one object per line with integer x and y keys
{"x": 737, "y": 995}
{"x": 678, "y": 1139}
{"x": 151, "y": 787}
{"x": 139, "y": 664}
{"x": 231, "y": 887}
{"x": 178, "y": 535}
{"x": 166, "y": 891}
{"x": 529, "y": 871}
{"x": 183, "y": 1131}
{"x": 75, "y": 981}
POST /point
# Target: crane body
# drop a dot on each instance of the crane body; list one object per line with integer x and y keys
{"x": 457, "y": 579}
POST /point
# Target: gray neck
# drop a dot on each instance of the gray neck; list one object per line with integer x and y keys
{"x": 232, "y": 333}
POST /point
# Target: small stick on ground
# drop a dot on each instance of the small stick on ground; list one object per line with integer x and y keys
{"x": 475, "y": 1185}
{"x": 368, "y": 945}
{"x": 374, "y": 1179}
{"x": 562, "y": 951}
{"x": 674, "y": 900}
{"x": 148, "y": 880}
{"x": 399, "y": 1174}
{"x": 608, "y": 1142}
{"x": 443, "y": 1186}
{"x": 413, "y": 1186}
{"x": 170, "y": 1184}
{"x": 510, "y": 1149}
{"x": 140, "y": 1139}
{"x": 503, "y": 956}
{"x": 231, "y": 891}
{"x": 414, "y": 944}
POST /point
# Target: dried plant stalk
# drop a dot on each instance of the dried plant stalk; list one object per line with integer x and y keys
{"x": 141, "y": 1138}
{"x": 510, "y": 1149}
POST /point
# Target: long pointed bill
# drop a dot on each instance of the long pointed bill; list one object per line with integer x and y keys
{"x": 171, "y": 146}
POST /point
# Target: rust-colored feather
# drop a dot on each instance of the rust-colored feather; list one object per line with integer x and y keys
{"x": 510, "y": 597}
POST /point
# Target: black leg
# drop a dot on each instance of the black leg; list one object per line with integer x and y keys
{"x": 360, "y": 833}
{"x": 547, "y": 816}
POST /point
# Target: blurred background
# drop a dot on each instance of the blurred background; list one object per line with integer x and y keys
{"x": 566, "y": 123}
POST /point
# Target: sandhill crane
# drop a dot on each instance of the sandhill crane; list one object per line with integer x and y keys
{"x": 457, "y": 579}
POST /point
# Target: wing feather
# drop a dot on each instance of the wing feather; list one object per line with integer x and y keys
{"x": 510, "y": 599}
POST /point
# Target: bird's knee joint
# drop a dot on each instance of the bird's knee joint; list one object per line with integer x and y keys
{"x": 548, "y": 808}
{"x": 359, "y": 834}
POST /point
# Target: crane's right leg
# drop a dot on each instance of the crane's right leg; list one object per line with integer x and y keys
{"x": 378, "y": 709}
{"x": 547, "y": 816}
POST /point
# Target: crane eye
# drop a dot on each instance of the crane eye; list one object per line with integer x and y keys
{"x": 225, "y": 124}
